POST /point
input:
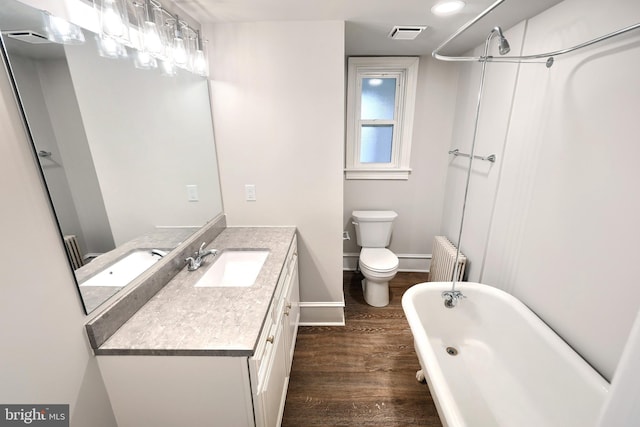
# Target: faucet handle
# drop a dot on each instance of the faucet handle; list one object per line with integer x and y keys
{"x": 202, "y": 247}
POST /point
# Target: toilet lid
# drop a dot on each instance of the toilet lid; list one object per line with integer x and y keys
{"x": 378, "y": 259}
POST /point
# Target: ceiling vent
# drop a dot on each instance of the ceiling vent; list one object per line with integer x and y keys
{"x": 27, "y": 37}
{"x": 405, "y": 32}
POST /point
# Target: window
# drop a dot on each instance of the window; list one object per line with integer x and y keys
{"x": 380, "y": 107}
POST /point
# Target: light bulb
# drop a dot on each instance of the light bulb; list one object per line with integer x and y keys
{"x": 152, "y": 41}
{"x": 167, "y": 68}
{"x": 112, "y": 24}
{"x": 179, "y": 52}
{"x": 109, "y": 47}
{"x": 200, "y": 65}
{"x": 145, "y": 61}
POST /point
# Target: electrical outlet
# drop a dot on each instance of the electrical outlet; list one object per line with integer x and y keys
{"x": 250, "y": 193}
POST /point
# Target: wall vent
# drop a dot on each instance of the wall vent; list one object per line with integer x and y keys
{"x": 27, "y": 36}
{"x": 405, "y": 32}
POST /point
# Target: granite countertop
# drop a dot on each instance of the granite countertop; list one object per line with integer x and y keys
{"x": 184, "y": 320}
{"x": 162, "y": 238}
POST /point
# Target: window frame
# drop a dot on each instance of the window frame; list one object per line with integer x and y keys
{"x": 405, "y": 70}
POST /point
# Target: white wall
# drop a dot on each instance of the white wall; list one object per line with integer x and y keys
{"x": 44, "y": 352}
{"x": 418, "y": 200}
{"x": 25, "y": 71}
{"x": 145, "y": 157}
{"x": 54, "y": 120}
{"x": 497, "y": 100}
{"x": 563, "y": 231}
{"x": 278, "y": 107}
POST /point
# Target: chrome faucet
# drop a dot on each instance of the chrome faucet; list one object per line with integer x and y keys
{"x": 159, "y": 252}
{"x": 451, "y": 298}
{"x": 194, "y": 262}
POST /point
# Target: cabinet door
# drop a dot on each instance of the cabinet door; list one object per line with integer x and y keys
{"x": 272, "y": 395}
{"x": 292, "y": 313}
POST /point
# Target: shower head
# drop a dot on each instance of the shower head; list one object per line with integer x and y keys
{"x": 503, "y": 44}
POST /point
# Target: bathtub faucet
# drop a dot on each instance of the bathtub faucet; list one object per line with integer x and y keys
{"x": 451, "y": 298}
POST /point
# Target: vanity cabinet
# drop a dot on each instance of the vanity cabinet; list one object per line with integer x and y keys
{"x": 212, "y": 390}
{"x": 271, "y": 365}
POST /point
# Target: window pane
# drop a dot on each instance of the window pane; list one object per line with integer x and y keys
{"x": 375, "y": 144}
{"x": 378, "y": 99}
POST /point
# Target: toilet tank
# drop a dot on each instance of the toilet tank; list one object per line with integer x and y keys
{"x": 373, "y": 228}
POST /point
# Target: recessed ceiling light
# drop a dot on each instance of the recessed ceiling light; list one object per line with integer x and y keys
{"x": 448, "y": 7}
{"x": 375, "y": 82}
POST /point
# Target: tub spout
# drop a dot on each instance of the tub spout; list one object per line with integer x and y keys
{"x": 451, "y": 298}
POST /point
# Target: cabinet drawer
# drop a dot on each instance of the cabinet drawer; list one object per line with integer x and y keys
{"x": 284, "y": 282}
{"x": 264, "y": 351}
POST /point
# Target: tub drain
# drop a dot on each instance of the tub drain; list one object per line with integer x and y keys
{"x": 451, "y": 351}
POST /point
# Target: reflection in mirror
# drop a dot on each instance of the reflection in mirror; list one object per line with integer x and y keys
{"x": 127, "y": 155}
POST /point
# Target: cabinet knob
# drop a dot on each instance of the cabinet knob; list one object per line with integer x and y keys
{"x": 289, "y": 305}
{"x": 270, "y": 339}
{"x": 286, "y": 313}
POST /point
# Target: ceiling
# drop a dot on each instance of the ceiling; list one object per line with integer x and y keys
{"x": 368, "y": 22}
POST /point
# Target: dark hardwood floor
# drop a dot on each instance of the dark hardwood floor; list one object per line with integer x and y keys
{"x": 361, "y": 374}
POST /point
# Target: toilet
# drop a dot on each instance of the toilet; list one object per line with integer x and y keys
{"x": 377, "y": 263}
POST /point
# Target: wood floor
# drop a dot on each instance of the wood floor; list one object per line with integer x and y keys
{"x": 361, "y": 374}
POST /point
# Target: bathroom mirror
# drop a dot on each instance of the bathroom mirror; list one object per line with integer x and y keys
{"x": 127, "y": 154}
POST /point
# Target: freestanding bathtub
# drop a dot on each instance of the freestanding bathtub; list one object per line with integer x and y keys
{"x": 490, "y": 361}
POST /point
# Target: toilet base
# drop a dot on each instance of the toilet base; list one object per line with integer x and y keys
{"x": 376, "y": 294}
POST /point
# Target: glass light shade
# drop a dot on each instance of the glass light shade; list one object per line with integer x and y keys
{"x": 111, "y": 20}
{"x": 144, "y": 60}
{"x": 108, "y": 47}
{"x": 179, "y": 54}
{"x": 152, "y": 40}
{"x": 62, "y": 31}
{"x": 167, "y": 68}
{"x": 200, "y": 63}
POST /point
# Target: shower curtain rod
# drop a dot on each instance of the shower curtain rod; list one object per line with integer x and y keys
{"x": 524, "y": 58}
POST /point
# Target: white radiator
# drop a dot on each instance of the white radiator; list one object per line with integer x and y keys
{"x": 73, "y": 251}
{"x": 443, "y": 261}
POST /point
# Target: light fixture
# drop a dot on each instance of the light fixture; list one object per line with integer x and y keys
{"x": 375, "y": 82}
{"x": 108, "y": 47}
{"x": 159, "y": 38}
{"x": 150, "y": 32}
{"x": 447, "y": 7}
{"x": 179, "y": 49}
{"x": 112, "y": 23}
{"x": 200, "y": 61}
{"x": 61, "y": 31}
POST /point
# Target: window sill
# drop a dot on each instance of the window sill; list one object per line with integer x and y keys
{"x": 388, "y": 174}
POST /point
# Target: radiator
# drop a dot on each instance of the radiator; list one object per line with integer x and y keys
{"x": 443, "y": 261}
{"x": 73, "y": 251}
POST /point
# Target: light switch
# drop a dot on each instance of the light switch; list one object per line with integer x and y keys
{"x": 192, "y": 193}
{"x": 250, "y": 192}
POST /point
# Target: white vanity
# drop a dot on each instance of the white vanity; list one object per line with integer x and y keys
{"x": 210, "y": 356}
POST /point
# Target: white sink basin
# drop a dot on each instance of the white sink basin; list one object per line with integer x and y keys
{"x": 123, "y": 271}
{"x": 234, "y": 268}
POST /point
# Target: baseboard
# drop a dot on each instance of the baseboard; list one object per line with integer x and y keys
{"x": 324, "y": 313}
{"x": 415, "y": 263}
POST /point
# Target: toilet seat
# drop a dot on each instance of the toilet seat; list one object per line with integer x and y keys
{"x": 378, "y": 260}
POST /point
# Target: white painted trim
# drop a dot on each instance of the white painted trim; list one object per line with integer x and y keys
{"x": 377, "y": 173}
{"x": 322, "y": 313}
{"x": 405, "y": 70}
{"x": 408, "y": 263}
